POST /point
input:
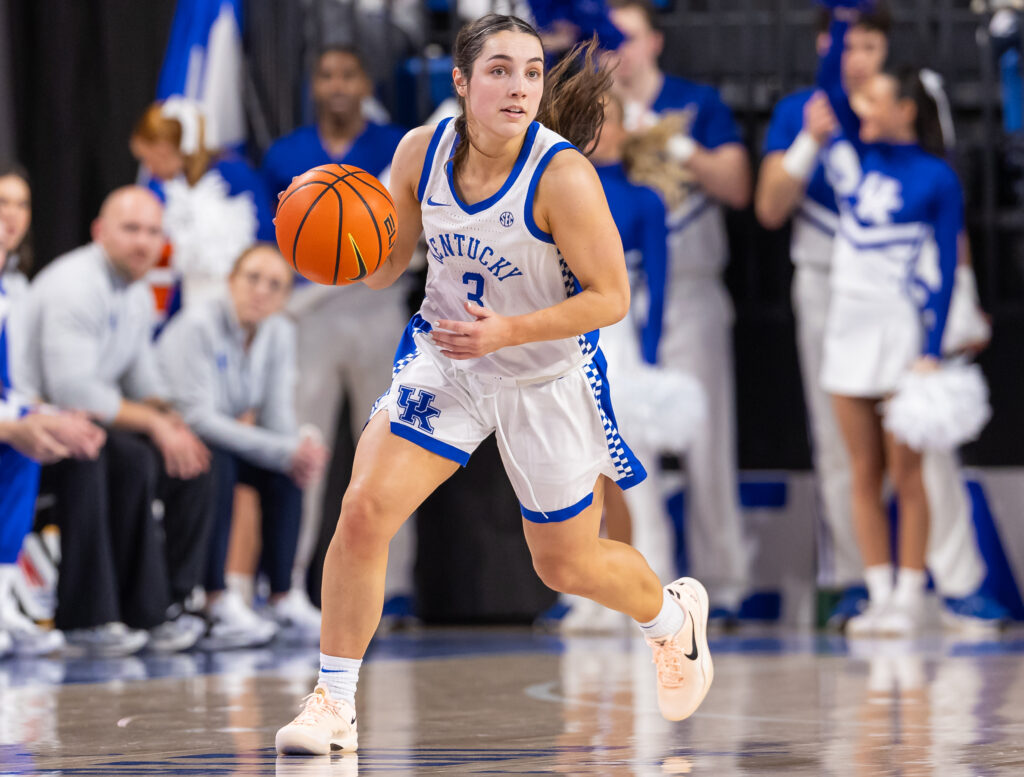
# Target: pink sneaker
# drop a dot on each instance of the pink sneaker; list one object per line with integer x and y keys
{"x": 683, "y": 660}
{"x": 324, "y": 724}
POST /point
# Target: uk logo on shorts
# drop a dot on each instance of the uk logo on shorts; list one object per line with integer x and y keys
{"x": 417, "y": 408}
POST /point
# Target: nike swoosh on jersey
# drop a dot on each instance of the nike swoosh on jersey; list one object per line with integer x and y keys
{"x": 437, "y": 204}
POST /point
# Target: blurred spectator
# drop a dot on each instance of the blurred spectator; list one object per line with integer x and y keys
{"x": 216, "y": 205}
{"x": 87, "y": 329}
{"x": 29, "y": 435}
{"x": 238, "y": 393}
{"x": 346, "y": 335}
{"x": 699, "y": 164}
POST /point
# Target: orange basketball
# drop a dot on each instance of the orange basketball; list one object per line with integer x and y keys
{"x": 336, "y": 224}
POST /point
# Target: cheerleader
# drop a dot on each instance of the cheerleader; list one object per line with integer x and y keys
{"x": 216, "y": 206}
{"x": 901, "y": 210}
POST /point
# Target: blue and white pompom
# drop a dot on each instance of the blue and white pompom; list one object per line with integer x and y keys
{"x": 662, "y": 408}
{"x": 939, "y": 410}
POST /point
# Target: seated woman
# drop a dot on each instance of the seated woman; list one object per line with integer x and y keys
{"x": 30, "y": 434}
{"x": 230, "y": 368}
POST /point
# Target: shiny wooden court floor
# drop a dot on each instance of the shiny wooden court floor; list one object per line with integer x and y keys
{"x": 487, "y": 702}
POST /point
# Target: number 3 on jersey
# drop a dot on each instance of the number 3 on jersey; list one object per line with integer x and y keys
{"x": 476, "y": 281}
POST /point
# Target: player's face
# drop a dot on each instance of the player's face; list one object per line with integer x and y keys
{"x": 131, "y": 232}
{"x": 507, "y": 83}
{"x": 339, "y": 84}
{"x": 259, "y": 286}
{"x": 882, "y": 115}
{"x": 638, "y": 53}
{"x": 864, "y": 55}
{"x": 15, "y": 212}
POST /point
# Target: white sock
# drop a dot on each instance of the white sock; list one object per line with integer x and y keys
{"x": 910, "y": 585}
{"x": 340, "y": 676}
{"x": 668, "y": 621}
{"x": 879, "y": 582}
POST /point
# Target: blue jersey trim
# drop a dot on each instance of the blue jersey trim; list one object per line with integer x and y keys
{"x": 531, "y": 225}
{"x": 428, "y": 161}
{"x": 429, "y": 443}
{"x": 517, "y": 168}
{"x": 556, "y": 516}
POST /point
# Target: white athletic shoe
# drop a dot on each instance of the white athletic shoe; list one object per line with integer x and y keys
{"x": 902, "y": 620}
{"x": 110, "y": 639}
{"x": 176, "y": 635}
{"x": 296, "y": 617}
{"x": 866, "y": 624}
{"x": 587, "y": 617}
{"x": 683, "y": 660}
{"x": 231, "y": 624}
{"x": 28, "y": 639}
{"x": 324, "y": 724}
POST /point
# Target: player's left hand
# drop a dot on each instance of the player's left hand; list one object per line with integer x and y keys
{"x": 471, "y": 339}
{"x": 925, "y": 364}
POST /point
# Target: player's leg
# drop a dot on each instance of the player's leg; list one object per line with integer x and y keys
{"x": 905, "y": 615}
{"x": 862, "y": 434}
{"x": 390, "y": 478}
{"x": 572, "y": 558}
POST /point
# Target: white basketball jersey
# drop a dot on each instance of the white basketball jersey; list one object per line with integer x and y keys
{"x": 494, "y": 254}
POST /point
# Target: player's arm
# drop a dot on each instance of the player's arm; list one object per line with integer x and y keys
{"x": 570, "y": 206}
{"x": 723, "y": 172}
{"x": 406, "y": 169}
{"x": 784, "y": 175}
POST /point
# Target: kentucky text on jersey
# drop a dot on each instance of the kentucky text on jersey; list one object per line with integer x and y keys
{"x": 455, "y": 244}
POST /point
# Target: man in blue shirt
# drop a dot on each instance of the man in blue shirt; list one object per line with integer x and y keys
{"x": 346, "y": 335}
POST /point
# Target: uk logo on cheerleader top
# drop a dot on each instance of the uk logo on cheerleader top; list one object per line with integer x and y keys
{"x": 417, "y": 408}
{"x": 878, "y": 198}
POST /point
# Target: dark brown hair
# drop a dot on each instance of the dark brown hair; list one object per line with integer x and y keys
{"x": 24, "y": 250}
{"x": 572, "y": 103}
{"x": 927, "y": 124}
{"x": 154, "y": 127}
{"x": 646, "y": 7}
{"x": 878, "y": 19}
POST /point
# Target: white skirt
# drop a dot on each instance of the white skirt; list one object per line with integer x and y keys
{"x": 869, "y": 345}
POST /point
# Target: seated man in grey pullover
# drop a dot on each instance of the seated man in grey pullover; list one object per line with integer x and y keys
{"x": 87, "y": 327}
{"x": 229, "y": 365}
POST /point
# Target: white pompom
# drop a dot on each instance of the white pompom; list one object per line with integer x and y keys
{"x": 663, "y": 408}
{"x": 208, "y": 228}
{"x": 939, "y": 410}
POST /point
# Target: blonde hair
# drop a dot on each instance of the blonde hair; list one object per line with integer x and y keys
{"x": 154, "y": 127}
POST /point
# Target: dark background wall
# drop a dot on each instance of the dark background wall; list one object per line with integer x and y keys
{"x": 82, "y": 73}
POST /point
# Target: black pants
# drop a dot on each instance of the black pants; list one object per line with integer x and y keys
{"x": 118, "y": 561}
{"x": 281, "y": 511}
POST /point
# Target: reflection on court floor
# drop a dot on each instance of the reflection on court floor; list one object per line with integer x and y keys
{"x": 475, "y": 702}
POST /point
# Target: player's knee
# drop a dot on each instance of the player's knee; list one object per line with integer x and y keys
{"x": 562, "y": 573}
{"x": 361, "y": 524}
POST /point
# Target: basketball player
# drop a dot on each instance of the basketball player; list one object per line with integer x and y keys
{"x": 238, "y": 394}
{"x": 525, "y": 265}
{"x": 901, "y": 214}
{"x": 697, "y": 336}
{"x": 30, "y": 435}
{"x": 346, "y": 335}
{"x": 792, "y": 183}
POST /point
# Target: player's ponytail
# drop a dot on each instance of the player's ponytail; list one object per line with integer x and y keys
{"x": 571, "y": 104}
{"x": 574, "y": 90}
